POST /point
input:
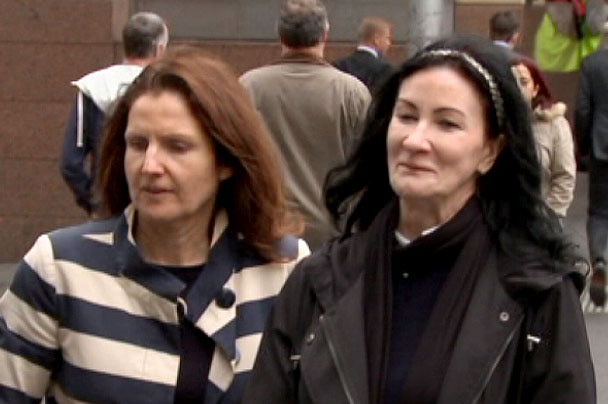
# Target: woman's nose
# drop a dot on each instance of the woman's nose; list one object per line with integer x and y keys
{"x": 152, "y": 161}
{"x": 416, "y": 136}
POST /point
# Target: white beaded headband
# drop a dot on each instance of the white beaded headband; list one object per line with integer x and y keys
{"x": 494, "y": 92}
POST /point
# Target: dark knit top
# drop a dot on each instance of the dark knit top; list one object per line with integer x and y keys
{"x": 414, "y": 294}
{"x": 431, "y": 281}
{"x": 196, "y": 348}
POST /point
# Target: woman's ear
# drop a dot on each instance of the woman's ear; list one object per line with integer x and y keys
{"x": 493, "y": 147}
{"x": 224, "y": 172}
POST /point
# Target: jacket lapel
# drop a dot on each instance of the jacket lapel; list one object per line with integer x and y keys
{"x": 334, "y": 354}
{"x": 217, "y": 278}
{"x": 489, "y": 326}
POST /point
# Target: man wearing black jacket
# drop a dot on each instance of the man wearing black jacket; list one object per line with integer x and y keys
{"x": 367, "y": 62}
{"x": 591, "y": 129}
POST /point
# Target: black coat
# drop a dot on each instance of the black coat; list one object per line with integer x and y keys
{"x": 366, "y": 67}
{"x": 313, "y": 349}
{"x": 591, "y": 112}
{"x": 591, "y": 128}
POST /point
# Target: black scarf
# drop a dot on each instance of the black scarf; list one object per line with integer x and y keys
{"x": 429, "y": 365}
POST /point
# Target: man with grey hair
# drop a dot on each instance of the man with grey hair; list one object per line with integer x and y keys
{"x": 313, "y": 111}
{"x": 145, "y": 37}
{"x": 367, "y": 62}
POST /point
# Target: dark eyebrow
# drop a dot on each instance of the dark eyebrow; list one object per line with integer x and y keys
{"x": 449, "y": 109}
{"x": 408, "y": 103}
{"x": 132, "y": 133}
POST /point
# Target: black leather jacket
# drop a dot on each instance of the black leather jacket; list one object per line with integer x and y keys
{"x": 313, "y": 350}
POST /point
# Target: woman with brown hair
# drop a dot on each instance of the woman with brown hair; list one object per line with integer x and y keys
{"x": 165, "y": 299}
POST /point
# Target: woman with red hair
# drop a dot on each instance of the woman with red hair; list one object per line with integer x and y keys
{"x": 552, "y": 134}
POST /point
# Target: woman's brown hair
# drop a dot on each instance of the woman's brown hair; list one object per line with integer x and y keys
{"x": 254, "y": 196}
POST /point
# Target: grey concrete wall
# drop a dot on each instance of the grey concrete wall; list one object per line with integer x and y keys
{"x": 256, "y": 19}
{"x": 428, "y": 21}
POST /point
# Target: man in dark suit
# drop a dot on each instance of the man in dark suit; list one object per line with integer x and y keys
{"x": 505, "y": 31}
{"x": 591, "y": 129}
{"x": 367, "y": 63}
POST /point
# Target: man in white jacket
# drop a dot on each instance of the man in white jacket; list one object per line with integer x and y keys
{"x": 145, "y": 38}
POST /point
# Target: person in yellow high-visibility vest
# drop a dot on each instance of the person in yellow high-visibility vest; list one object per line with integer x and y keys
{"x": 569, "y": 31}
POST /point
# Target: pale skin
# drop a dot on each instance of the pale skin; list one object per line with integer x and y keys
{"x": 526, "y": 83}
{"x": 382, "y": 40}
{"x": 437, "y": 148}
{"x": 514, "y": 40}
{"x": 173, "y": 180}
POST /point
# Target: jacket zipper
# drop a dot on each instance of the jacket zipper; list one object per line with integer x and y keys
{"x": 334, "y": 355}
{"x": 498, "y": 358}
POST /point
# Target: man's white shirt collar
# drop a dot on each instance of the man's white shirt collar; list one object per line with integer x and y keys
{"x": 368, "y": 49}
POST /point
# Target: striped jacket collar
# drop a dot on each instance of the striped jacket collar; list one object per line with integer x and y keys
{"x": 226, "y": 257}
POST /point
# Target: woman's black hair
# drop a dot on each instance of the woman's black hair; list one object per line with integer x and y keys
{"x": 510, "y": 192}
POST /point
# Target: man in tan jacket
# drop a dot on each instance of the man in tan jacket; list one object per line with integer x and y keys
{"x": 313, "y": 111}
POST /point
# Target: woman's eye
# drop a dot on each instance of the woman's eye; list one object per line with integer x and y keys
{"x": 448, "y": 125}
{"x": 137, "y": 143}
{"x": 178, "y": 146}
{"x": 406, "y": 117}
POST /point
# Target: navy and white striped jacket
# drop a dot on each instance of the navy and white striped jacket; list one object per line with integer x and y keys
{"x": 85, "y": 320}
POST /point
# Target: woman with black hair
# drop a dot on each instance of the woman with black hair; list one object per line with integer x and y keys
{"x": 452, "y": 282}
